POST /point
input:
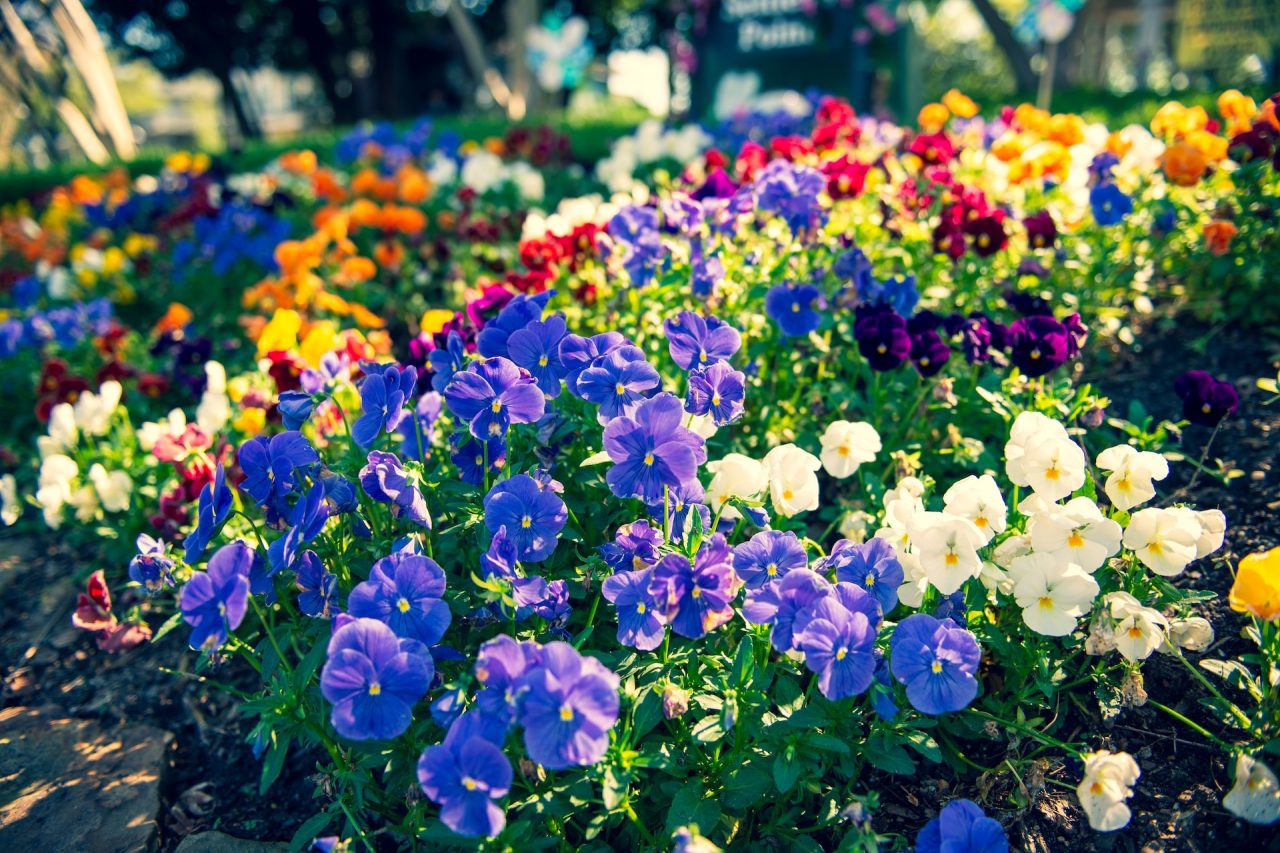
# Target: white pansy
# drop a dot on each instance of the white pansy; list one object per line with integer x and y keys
{"x": 735, "y": 476}
{"x": 947, "y": 546}
{"x": 1108, "y": 781}
{"x": 1076, "y": 532}
{"x": 1140, "y": 632}
{"x": 86, "y": 504}
{"x": 443, "y": 169}
{"x": 1163, "y": 539}
{"x": 846, "y": 445}
{"x": 793, "y": 479}
{"x": 901, "y": 505}
{"x": 114, "y": 488}
{"x": 1256, "y": 795}
{"x": 93, "y": 411}
{"x": 979, "y": 500}
{"x": 1133, "y": 475}
{"x": 995, "y": 579}
{"x": 57, "y": 474}
{"x": 1027, "y": 427}
{"x": 215, "y": 406}
{"x": 1052, "y": 595}
{"x": 855, "y": 524}
{"x": 703, "y": 425}
{"x": 1213, "y": 529}
{"x": 482, "y": 171}
{"x": 528, "y": 181}
{"x": 62, "y": 431}
{"x": 1194, "y": 633}
{"x": 1041, "y": 455}
{"x": 10, "y": 503}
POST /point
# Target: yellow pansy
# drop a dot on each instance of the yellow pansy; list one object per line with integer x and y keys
{"x": 237, "y": 387}
{"x": 434, "y": 320}
{"x": 281, "y": 333}
{"x": 320, "y": 339}
{"x": 960, "y": 104}
{"x": 1257, "y": 586}
{"x": 113, "y": 260}
{"x": 251, "y": 421}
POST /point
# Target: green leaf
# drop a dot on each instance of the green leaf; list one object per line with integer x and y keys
{"x": 744, "y": 664}
{"x": 273, "y": 763}
{"x": 889, "y": 757}
{"x": 306, "y": 833}
{"x": 708, "y": 730}
{"x": 647, "y": 714}
{"x": 786, "y": 771}
{"x": 745, "y": 785}
{"x": 310, "y": 663}
{"x": 169, "y": 624}
{"x": 689, "y": 806}
{"x": 615, "y": 788}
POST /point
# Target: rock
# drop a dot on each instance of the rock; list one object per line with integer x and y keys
{"x": 220, "y": 842}
{"x": 69, "y": 784}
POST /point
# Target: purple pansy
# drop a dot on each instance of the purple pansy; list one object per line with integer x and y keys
{"x": 494, "y": 338}
{"x": 373, "y": 679}
{"x": 640, "y": 622}
{"x": 568, "y": 703}
{"x": 465, "y": 778}
{"x": 1205, "y": 400}
{"x": 493, "y": 395}
{"x": 696, "y": 342}
{"x": 306, "y": 520}
{"x": 270, "y": 465}
{"x": 696, "y": 598}
{"x": 536, "y": 348}
{"x": 717, "y": 390}
{"x": 152, "y": 567}
{"x": 471, "y": 456}
{"x": 1038, "y": 344}
{"x": 797, "y": 309}
{"x": 385, "y": 480}
{"x": 317, "y": 588}
{"x": 213, "y": 510}
{"x": 578, "y": 353}
{"x": 882, "y": 338}
{"x": 383, "y": 393}
{"x": 634, "y": 547}
{"x": 533, "y": 517}
{"x": 779, "y": 602}
{"x": 618, "y": 381}
{"x": 652, "y": 450}
{"x": 937, "y": 660}
{"x": 962, "y": 827}
{"x": 405, "y": 591}
{"x": 213, "y": 602}
{"x": 767, "y": 556}
{"x": 872, "y": 565}
{"x": 839, "y": 644}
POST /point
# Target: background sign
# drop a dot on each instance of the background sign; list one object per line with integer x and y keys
{"x": 753, "y": 47}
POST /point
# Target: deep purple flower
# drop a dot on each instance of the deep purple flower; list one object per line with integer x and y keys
{"x": 640, "y": 622}
{"x": 306, "y": 520}
{"x": 373, "y": 679}
{"x": 652, "y": 451}
{"x": 475, "y": 458}
{"x": 929, "y": 353}
{"x": 1042, "y": 231}
{"x": 767, "y": 556}
{"x": 295, "y": 408}
{"x": 797, "y": 309}
{"x": 838, "y": 646}
{"x": 1077, "y": 334}
{"x": 494, "y": 338}
{"x": 634, "y": 547}
{"x": 317, "y": 588}
{"x": 872, "y": 565}
{"x": 492, "y": 395}
{"x": 532, "y": 516}
{"x": 385, "y": 480}
{"x": 1205, "y": 400}
{"x": 696, "y": 598}
{"x": 717, "y": 390}
{"x": 779, "y": 602}
{"x": 717, "y": 186}
{"x": 1038, "y": 344}
{"x": 883, "y": 339}
{"x": 383, "y": 393}
{"x": 214, "y": 509}
{"x": 536, "y": 348}
{"x": 616, "y": 382}
{"x": 975, "y": 336}
{"x": 500, "y": 663}
{"x": 578, "y": 353}
{"x": 568, "y": 704}
{"x": 962, "y": 827}
{"x": 213, "y": 602}
{"x": 937, "y": 661}
{"x": 465, "y": 779}
{"x": 270, "y": 465}
{"x": 406, "y": 592}
{"x": 695, "y": 341}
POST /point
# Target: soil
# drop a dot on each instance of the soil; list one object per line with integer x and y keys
{"x": 211, "y": 778}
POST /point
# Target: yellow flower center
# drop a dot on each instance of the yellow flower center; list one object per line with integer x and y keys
{"x": 870, "y": 579}
{"x": 787, "y": 494}
{"x": 496, "y": 406}
{"x": 468, "y": 783}
{"x": 526, "y": 522}
{"x": 842, "y": 450}
{"x": 715, "y": 399}
{"x": 1052, "y": 473}
{"x": 375, "y": 689}
{"x": 841, "y": 654}
{"x": 1035, "y": 354}
{"x": 1156, "y": 548}
{"x": 619, "y": 389}
{"x": 542, "y": 362}
{"x": 1046, "y": 603}
{"x": 795, "y": 307}
{"x": 403, "y": 605}
{"x": 771, "y": 570}
{"x": 952, "y": 559}
{"x": 648, "y": 459}
{"x": 936, "y": 666}
{"x": 482, "y": 673}
{"x": 980, "y": 521}
{"x": 640, "y": 608}
{"x": 697, "y": 592}
{"x": 1075, "y": 540}
{"x": 479, "y": 460}
{"x": 566, "y": 713}
{"x": 882, "y": 349}
{"x": 702, "y": 357}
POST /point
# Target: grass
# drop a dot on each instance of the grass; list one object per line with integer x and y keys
{"x": 591, "y": 134}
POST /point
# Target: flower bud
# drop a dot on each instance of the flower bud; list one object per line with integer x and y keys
{"x": 675, "y": 701}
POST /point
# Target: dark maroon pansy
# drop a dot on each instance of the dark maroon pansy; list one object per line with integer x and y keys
{"x": 1038, "y": 344}
{"x": 1205, "y": 400}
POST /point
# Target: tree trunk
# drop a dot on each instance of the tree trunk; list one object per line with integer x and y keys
{"x": 244, "y": 121}
{"x": 477, "y": 58}
{"x": 89, "y": 55}
{"x": 386, "y": 50}
{"x": 521, "y": 15}
{"x": 1015, "y": 52}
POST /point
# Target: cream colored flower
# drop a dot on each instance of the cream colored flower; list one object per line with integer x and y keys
{"x": 846, "y": 445}
{"x": 1133, "y": 473}
{"x": 1108, "y": 781}
{"x": 793, "y": 479}
{"x": 979, "y": 500}
{"x": 1256, "y": 794}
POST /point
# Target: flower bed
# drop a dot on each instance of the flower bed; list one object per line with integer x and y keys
{"x": 738, "y": 479}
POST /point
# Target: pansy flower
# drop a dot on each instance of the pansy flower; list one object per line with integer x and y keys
{"x": 536, "y": 348}
{"x": 1038, "y": 344}
{"x": 717, "y": 391}
{"x": 872, "y": 565}
{"x": 634, "y": 547}
{"x": 640, "y": 623}
{"x": 1110, "y": 204}
{"x": 779, "y": 602}
{"x": 533, "y": 517}
{"x": 652, "y": 451}
{"x": 937, "y": 661}
{"x": 383, "y": 394}
{"x": 214, "y": 602}
{"x": 1205, "y": 400}
{"x": 406, "y": 592}
{"x": 882, "y": 338}
{"x": 568, "y": 704}
{"x": 929, "y": 353}
{"x": 839, "y": 644}
{"x": 152, "y": 567}
{"x": 270, "y": 465}
{"x": 466, "y": 778}
{"x": 696, "y": 342}
{"x": 797, "y": 309}
{"x": 306, "y": 520}
{"x": 493, "y": 395}
{"x": 767, "y": 556}
{"x": 616, "y": 382}
{"x": 385, "y": 480}
{"x": 476, "y": 458}
{"x": 494, "y": 338}
{"x": 962, "y": 827}
{"x": 696, "y": 598}
{"x": 447, "y": 361}
{"x": 317, "y": 588}
{"x": 373, "y": 679}
{"x": 578, "y": 353}
{"x": 214, "y": 508}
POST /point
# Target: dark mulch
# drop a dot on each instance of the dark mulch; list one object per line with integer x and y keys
{"x": 212, "y": 778}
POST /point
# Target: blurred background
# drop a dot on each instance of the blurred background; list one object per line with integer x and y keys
{"x": 126, "y": 80}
